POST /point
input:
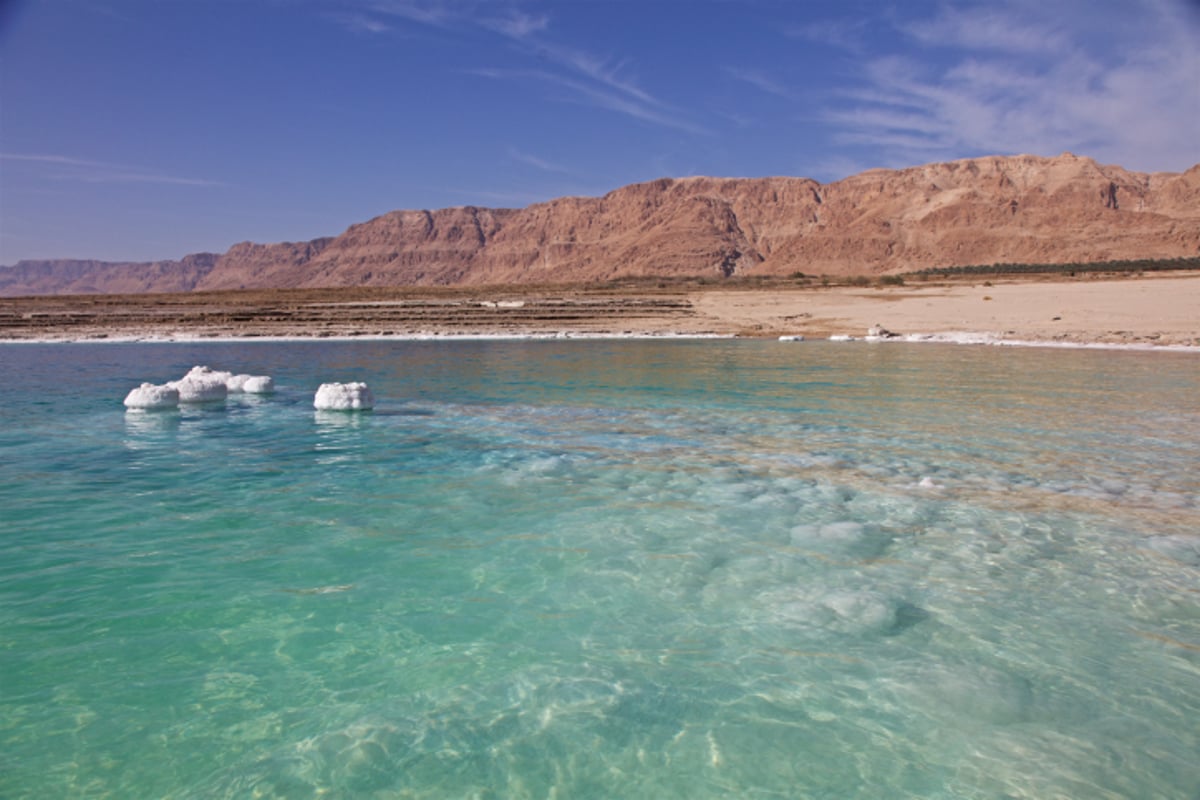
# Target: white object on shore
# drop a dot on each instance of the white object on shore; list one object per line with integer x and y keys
{"x": 841, "y": 337}
{"x": 354, "y": 396}
{"x": 877, "y": 332}
{"x": 150, "y": 397}
{"x": 796, "y": 337}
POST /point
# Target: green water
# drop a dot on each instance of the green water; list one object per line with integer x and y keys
{"x": 603, "y": 569}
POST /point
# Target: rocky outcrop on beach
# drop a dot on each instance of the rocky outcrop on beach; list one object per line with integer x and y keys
{"x": 1015, "y": 209}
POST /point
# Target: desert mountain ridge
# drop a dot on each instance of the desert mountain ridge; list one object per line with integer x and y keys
{"x": 1000, "y": 209}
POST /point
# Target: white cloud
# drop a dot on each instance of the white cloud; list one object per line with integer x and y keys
{"x": 978, "y": 81}
{"x": 986, "y": 29}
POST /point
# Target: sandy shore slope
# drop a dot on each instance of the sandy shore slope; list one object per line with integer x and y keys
{"x": 1162, "y": 309}
{"x": 1158, "y": 310}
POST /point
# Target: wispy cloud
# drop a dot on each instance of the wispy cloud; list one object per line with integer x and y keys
{"x": 536, "y": 162}
{"x": 70, "y": 168}
{"x": 597, "y": 95}
{"x": 975, "y": 81}
{"x": 438, "y": 13}
{"x": 848, "y": 35}
{"x": 986, "y": 29}
{"x": 759, "y": 80}
{"x": 601, "y": 82}
{"x": 361, "y": 23}
{"x": 517, "y": 24}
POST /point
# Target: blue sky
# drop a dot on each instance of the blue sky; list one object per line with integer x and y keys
{"x": 148, "y": 129}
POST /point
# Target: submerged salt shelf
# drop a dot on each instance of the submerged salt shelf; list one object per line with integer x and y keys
{"x": 604, "y": 569}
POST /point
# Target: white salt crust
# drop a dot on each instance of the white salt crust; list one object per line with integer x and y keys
{"x": 353, "y": 396}
{"x": 149, "y": 397}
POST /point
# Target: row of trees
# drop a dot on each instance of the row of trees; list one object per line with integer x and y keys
{"x": 1125, "y": 265}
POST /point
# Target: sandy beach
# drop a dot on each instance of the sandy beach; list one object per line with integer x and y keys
{"x": 1149, "y": 310}
{"x": 1156, "y": 310}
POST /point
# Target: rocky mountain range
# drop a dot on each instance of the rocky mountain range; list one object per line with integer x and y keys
{"x": 1012, "y": 209}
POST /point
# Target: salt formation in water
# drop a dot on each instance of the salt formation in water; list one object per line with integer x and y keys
{"x": 343, "y": 397}
{"x": 250, "y": 384}
{"x": 149, "y": 397}
{"x": 201, "y": 385}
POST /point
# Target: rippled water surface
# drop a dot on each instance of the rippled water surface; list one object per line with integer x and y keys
{"x": 603, "y": 569}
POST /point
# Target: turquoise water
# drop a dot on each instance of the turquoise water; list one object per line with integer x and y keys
{"x": 603, "y": 569}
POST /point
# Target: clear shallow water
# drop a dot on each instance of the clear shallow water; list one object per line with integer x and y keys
{"x": 603, "y": 569}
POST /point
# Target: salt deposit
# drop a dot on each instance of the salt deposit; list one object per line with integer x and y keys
{"x": 251, "y": 384}
{"x": 208, "y": 374}
{"x": 201, "y": 385}
{"x": 354, "y": 396}
{"x": 149, "y": 397}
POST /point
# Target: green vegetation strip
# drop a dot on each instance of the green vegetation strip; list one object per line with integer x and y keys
{"x": 1128, "y": 265}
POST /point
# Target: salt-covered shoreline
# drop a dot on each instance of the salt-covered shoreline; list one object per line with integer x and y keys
{"x": 1145, "y": 314}
{"x": 955, "y": 338}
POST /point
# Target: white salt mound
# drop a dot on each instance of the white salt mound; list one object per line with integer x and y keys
{"x": 250, "y": 384}
{"x": 201, "y": 385}
{"x": 343, "y": 397}
{"x": 208, "y": 374}
{"x": 259, "y": 384}
{"x": 149, "y": 397}
{"x": 195, "y": 390}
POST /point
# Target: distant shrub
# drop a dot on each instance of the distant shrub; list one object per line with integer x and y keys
{"x": 891, "y": 280}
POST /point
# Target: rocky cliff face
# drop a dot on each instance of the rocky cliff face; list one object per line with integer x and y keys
{"x": 975, "y": 211}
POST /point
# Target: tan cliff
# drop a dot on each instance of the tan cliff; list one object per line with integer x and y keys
{"x": 1066, "y": 209}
